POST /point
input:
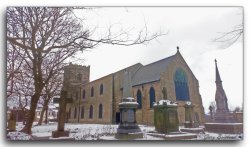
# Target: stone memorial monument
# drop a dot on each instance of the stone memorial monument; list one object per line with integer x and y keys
{"x": 222, "y": 113}
{"x": 166, "y": 117}
{"x": 60, "y": 132}
{"x": 128, "y": 128}
{"x": 223, "y": 121}
{"x": 190, "y": 121}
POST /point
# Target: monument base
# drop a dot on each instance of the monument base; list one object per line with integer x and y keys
{"x": 191, "y": 124}
{"x": 127, "y": 132}
{"x": 174, "y": 135}
{"x": 192, "y": 130}
{"x": 224, "y": 117}
{"x": 129, "y": 136}
{"x": 226, "y": 128}
{"x": 56, "y": 134}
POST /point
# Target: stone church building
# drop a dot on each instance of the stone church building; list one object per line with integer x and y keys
{"x": 97, "y": 101}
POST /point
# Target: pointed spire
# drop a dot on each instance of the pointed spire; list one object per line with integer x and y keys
{"x": 218, "y": 79}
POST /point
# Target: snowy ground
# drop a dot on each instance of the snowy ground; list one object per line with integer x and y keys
{"x": 101, "y": 131}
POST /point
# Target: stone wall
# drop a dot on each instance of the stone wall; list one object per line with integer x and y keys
{"x": 227, "y": 128}
{"x": 105, "y": 99}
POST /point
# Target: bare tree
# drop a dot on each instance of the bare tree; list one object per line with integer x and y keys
{"x": 23, "y": 88}
{"x": 50, "y": 35}
{"x": 229, "y": 38}
{"x": 14, "y": 62}
{"x": 226, "y": 39}
{"x": 51, "y": 89}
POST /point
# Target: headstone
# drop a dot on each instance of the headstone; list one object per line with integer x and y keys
{"x": 166, "y": 117}
{"x": 189, "y": 116}
{"x": 12, "y": 122}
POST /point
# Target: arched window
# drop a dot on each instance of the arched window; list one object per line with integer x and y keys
{"x": 139, "y": 101}
{"x": 69, "y": 112}
{"x": 100, "y": 111}
{"x": 75, "y": 113}
{"x": 152, "y": 96}
{"x": 83, "y": 94}
{"x": 181, "y": 85}
{"x": 91, "y": 111}
{"x": 92, "y": 91}
{"x": 101, "y": 89}
{"x": 82, "y": 112}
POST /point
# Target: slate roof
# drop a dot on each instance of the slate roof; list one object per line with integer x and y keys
{"x": 150, "y": 72}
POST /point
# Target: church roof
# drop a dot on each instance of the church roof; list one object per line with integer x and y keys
{"x": 150, "y": 72}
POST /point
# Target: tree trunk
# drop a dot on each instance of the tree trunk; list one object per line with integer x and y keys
{"x": 44, "y": 110}
{"x": 46, "y": 114}
{"x": 41, "y": 116}
{"x": 31, "y": 114}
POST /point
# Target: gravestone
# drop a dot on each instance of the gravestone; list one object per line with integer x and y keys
{"x": 190, "y": 121}
{"x": 166, "y": 117}
{"x": 128, "y": 128}
{"x": 61, "y": 116}
{"x": 12, "y": 122}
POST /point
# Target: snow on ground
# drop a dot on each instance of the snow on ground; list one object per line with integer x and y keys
{"x": 18, "y": 136}
{"x": 216, "y": 136}
{"x": 101, "y": 131}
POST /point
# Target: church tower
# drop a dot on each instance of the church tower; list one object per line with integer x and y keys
{"x": 74, "y": 77}
{"x": 222, "y": 113}
{"x": 76, "y": 74}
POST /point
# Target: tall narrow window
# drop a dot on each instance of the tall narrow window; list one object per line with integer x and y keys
{"x": 69, "y": 112}
{"x": 82, "y": 112}
{"x": 75, "y": 113}
{"x": 181, "y": 85}
{"x": 92, "y": 91}
{"x": 139, "y": 100}
{"x": 152, "y": 96}
{"x": 91, "y": 112}
{"x": 101, "y": 89}
{"x": 83, "y": 94}
{"x": 100, "y": 111}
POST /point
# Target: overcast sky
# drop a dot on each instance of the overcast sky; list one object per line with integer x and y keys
{"x": 190, "y": 28}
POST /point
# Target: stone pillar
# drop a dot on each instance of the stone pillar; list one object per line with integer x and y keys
{"x": 128, "y": 129}
{"x": 61, "y": 117}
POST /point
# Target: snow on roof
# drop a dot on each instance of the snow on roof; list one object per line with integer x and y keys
{"x": 188, "y": 103}
{"x": 165, "y": 102}
{"x": 56, "y": 105}
{"x": 134, "y": 103}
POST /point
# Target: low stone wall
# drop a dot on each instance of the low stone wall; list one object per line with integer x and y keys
{"x": 226, "y": 128}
